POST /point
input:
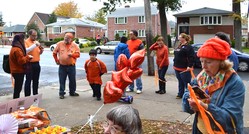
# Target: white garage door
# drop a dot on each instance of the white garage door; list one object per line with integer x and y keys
{"x": 201, "y": 38}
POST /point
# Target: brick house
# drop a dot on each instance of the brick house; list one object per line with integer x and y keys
{"x": 83, "y": 28}
{"x": 41, "y": 20}
{"x": 122, "y": 20}
{"x": 202, "y": 24}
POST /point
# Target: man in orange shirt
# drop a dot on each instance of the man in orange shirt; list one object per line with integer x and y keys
{"x": 65, "y": 55}
{"x": 135, "y": 44}
{"x": 33, "y": 74}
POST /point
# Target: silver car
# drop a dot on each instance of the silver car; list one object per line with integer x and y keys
{"x": 107, "y": 48}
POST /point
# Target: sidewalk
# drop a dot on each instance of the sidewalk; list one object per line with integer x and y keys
{"x": 73, "y": 111}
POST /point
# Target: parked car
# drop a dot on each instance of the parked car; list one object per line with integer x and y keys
{"x": 53, "y": 46}
{"x": 107, "y": 48}
{"x": 243, "y": 58}
{"x": 83, "y": 41}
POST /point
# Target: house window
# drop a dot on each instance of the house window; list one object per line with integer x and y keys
{"x": 121, "y": 32}
{"x": 141, "y": 19}
{"x": 121, "y": 20}
{"x": 56, "y": 29}
{"x": 210, "y": 20}
{"x": 141, "y": 33}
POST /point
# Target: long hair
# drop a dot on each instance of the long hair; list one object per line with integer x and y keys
{"x": 18, "y": 41}
{"x": 226, "y": 65}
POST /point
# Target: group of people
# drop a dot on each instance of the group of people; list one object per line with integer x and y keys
{"x": 24, "y": 61}
{"x": 218, "y": 78}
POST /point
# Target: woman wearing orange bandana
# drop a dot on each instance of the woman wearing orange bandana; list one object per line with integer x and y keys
{"x": 225, "y": 88}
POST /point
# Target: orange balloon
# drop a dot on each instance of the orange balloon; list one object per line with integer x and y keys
{"x": 121, "y": 78}
{"x": 137, "y": 58}
{"x": 135, "y": 73}
{"x": 122, "y": 62}
{"x": 111, "y": 93}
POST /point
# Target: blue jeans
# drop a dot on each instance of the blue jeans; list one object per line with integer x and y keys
{"x": 138, "y": 84}
{"x": 183, "y": 80}
{"x": 70, "y": 71}
{"x": 32, "y": 75}
{"x": 161, "y": 75}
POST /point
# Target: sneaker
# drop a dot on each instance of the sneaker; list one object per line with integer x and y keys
{"x": 62, "y": 96}
{"x": 74, "y": 94}
{"x": 157, "y": 92}
{"x": 178, "y": 97}
{"x": 139, "y": 91}
{"x": 94, "y": 95}
{"x": 129, "y": 90}
{"x": 98, "y": 99}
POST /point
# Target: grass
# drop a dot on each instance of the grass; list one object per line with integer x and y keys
{"x": 245, "y": 50}
{"x": 86, "y": 49}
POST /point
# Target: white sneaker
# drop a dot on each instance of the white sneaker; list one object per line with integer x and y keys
{"x": 139, "y": 91}
{"x": 128, "y": 90}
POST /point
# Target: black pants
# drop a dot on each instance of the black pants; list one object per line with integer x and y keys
{"x": 96, "y": 90}
{"x": 32, "y": 76}
{"x": 18, "y": 77}
{"x": 162, "y": 81}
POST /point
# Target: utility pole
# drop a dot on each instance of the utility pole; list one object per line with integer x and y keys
{"x": 148, "y": 31}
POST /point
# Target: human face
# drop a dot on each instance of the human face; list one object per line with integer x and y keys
{"x": 92, "y": 57}
{"x": 33, "y": 36}
{"x": 132, "y": 36}
{"x": 160, "y": 42}
{"x": 210, "y": 66}
{"x": 110, "y": 128}
{"x": 181, "y": 39}
{"x": 67, "y": 39}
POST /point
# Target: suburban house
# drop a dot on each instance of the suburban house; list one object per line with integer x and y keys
{"x": 83, "y": 28}
{"x": 10, "y": 32}
{"x": 201, "y": 24}
{"x": 41, "y": 20}
{"x": 122, "y": 20}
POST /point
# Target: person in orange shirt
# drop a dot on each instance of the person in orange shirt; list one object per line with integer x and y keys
{"x": 162, "y": 61}
{"x": 95, "y": 68}
{"x": 135, "y": 44}
{"x": 33, "y": 74}
{"x": 65, "y": 55}
{"x": 17, "y": 59}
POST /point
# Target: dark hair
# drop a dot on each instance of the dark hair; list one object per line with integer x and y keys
{"x": 18, "y": 41}
{"x": 134, "y": 32}
{"x": 123, "y": 39}
{"x": 93, "y": 51}
{"x": 223, "y": 36}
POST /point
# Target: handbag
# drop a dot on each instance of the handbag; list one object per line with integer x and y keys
{"x": 6, "y": 64}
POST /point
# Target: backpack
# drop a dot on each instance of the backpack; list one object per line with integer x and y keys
{"x": 6, "y": 64}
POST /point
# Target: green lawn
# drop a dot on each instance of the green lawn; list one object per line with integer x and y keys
{"x": 245, "y": 50}
{"x": 86, "y": 49}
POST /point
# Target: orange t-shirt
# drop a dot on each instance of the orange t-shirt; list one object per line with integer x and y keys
{"x": 133, "y": 45}
{"x": 35, "y": 52}
{"x": 62, "y": 50}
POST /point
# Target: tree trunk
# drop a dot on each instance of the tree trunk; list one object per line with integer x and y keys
{"x": 149, "y": 37}
{"x": 237, "y": 25}
{"x": 163, "y": 21}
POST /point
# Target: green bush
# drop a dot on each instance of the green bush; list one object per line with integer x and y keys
{"x": 58, "y": 39}
{"x": 48, "y": 43}
{"x": 85, "y": 45}
{"x": 92, "y": 43}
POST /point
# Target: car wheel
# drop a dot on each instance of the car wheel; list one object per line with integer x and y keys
{"x": 99, "y": 51}
{"x": 243, "y": 66}
{"x": 52, "y": 48}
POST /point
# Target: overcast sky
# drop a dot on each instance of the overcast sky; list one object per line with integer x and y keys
{"x": 20, "y": 11}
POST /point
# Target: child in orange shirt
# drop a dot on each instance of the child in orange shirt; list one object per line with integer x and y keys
{"x": 95, "y": 68}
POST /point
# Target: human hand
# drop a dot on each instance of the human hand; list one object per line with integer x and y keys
{"x": 30, "y": 57}
{"x": 37, "y": 43}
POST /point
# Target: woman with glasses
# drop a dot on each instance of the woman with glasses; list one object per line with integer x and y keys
{"x": 123, "y": 119}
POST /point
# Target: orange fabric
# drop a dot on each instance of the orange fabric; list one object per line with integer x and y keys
{"x": 204, "y": 113}
{"x": 35, "y": 52}
{"x": 17, "y": 59}
{"x": 62, "y": 50}
{"x": 93, "y": 71}
{"x": 133, "y": 45}
{"x": 215, "y": 48}
{"x": 162, "y": 55}
{"x": 179, "y": 69}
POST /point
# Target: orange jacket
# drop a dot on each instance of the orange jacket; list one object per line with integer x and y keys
{"x": 162, "y": 55}
{"x": 35, "y": 52}
{"x": 133, "y": 45}
{"x": 17, "y": 59}
{"x": 94, "y": 70}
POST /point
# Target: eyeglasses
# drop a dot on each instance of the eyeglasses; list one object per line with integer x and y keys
{"x": 114, "y": 129}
